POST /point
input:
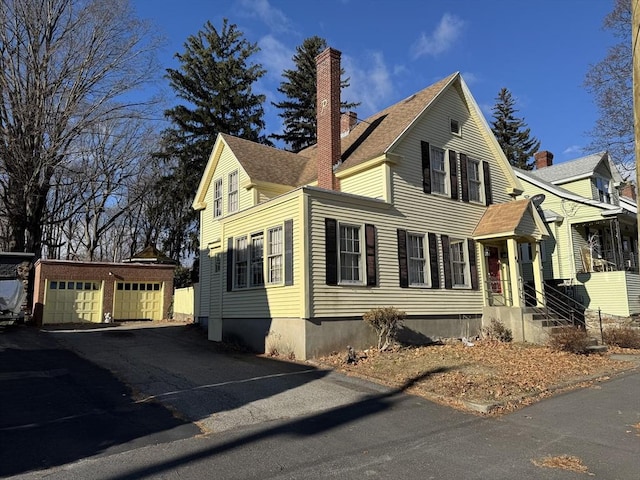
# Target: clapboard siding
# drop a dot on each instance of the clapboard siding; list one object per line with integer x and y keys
{"x": 584, "y": 187}
{"x": 369, "y": 183}
{"x": 612, "y": 292}
{"x": 271, "y": 300}
{"x": 353, "y": 301}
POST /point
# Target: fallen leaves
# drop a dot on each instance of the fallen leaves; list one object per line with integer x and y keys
{"x": 563, "y": 462}
{"x": 512, "y": 374}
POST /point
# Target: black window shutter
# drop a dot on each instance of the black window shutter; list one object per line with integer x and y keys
{"x": 288, "y": 252}
{"x": 464, "y": 177}
{"x": 488, "y": 196}
{"x": 402, "y": 258}
{"x": 433, "y": 260}
{"x": 370, "y": 242}
{"x": 229, "y": 264}
{"x": 453, "y": 173}
{"x": 331, "y": 250}
{"x": 426, "y": 167}
{"x": 446, "y": 260}
{"x": 473, "y": 264}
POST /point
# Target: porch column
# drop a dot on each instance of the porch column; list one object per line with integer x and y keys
{"x": 537, "y": 274}
{"x": 514, "y": 273}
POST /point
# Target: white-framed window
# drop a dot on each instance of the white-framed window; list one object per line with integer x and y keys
{"x": 459, "y": 263}
{"x": 455, "y": 127}
{"x": 274, "y": 255}
{"x": 474, "y": 180}
{"x": 438, "y": 170}
{"x": 240, "y": 262}
{"x": 256, "y": 273}
{"x": 217, "y": 197}
{"x": 216, "y": 263}
{"x": 350, "y": 254}
{"x": 417, "y": 260}
{"x": 232, "y": 205}
{"x": 603, "y": 187}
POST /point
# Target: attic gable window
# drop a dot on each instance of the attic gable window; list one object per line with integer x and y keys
{"x": 438, "y": 170}
{"x": 217, "y": 198}
{"x": 604, "y": 189}
{"x": 455, "y": 127}
{"x": 233, "y": 192}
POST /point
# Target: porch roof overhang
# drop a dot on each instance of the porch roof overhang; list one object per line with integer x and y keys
{"x": 517, "y": 219}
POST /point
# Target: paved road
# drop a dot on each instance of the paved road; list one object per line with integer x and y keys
{"x": 276, "y": 420}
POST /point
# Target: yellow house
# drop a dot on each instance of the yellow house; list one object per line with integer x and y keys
{"x": 591, "y": 213}
{"x": 295, "y": 247}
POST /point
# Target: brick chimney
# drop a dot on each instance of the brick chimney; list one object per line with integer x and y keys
{"x": 628, "y": 190}
{"x": 328, "y": 117}
{"x": 543, "y": 159}
{"x": 348, "y": 120}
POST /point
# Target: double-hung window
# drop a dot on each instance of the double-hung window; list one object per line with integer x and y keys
{"x": 241, "y": 262}
{"x": 417, "y": 260}
{"x": 457, "y": 249}
{"x": 438, "y": 170}
{"x": 233, "y": 192}
{"x": 217, "y": 197}
{"x": 474, "y": 178}
{"x": 256, "y": 275}
{"x": 604, "y": 191}
{"x": 274, "y": 255}
{"x": 350, "y": 254}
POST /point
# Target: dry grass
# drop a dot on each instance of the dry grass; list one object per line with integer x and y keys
{"x": 507, "y": 375}
{"x": 563, "y": 462}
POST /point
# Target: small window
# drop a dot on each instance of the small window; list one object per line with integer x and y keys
{"x": 120, "y": 286}
{"x": 79, "y": 285}
{"x": 217, "y": 197}
{"x": 455, "y": 127}
{"x": 62, "y": 285}
{"x": 134, "y": 286}
{"x": 53, "y": 285}
{"x": 604, "y": 189}
{"x": 216, "y": 263}
{"x": 156, "y": 287}
{"x": 127, "y": 286}
{"x": 233, "y": 192}
{"x": 70, "y": 285}
{"x": 438, "y": 170}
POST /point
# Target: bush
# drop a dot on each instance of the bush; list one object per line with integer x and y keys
{"x": 625, "y": 337}
{"x": 386, "y": 321}
{"x": 496, "y": 331}
{"x": 570, "y": 339}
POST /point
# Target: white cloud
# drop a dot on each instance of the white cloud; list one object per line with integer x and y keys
{"x": 274, "y": 56}
{"x": 470, "y": 78}
{"x": 441, "y": 39}
{"x": 370, "y": 84}
{"x": 275, "y": 19}
{"x": 572, "y": 150}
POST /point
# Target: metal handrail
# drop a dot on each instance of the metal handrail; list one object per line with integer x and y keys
{"x": 558, "y": 306}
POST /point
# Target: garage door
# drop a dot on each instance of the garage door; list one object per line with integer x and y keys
{"x": 72, "y": 301}
{"x": 137, "y": 301}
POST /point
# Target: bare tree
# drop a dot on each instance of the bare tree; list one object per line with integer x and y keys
{"x": 610, "y": 82}
{"x": 65, "y": 66}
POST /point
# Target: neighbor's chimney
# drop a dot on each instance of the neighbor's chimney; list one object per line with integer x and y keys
{"x": 628, "y": 190}
{"x": 328, "y": 117}
{"x": 543, "y": 159}
{"x": 348, "y": 120}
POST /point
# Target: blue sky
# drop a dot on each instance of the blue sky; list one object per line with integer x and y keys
{"x": 539, "y": 50}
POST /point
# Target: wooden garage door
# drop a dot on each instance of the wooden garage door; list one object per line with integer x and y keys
{"x": 137, "y": 301}
{"x": 72, "y": 301}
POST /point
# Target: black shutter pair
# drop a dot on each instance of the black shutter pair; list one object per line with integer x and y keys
{"x": 426, "y": 170}
{"x": 288, "y": 256}
{"x": 331, "y": 252}
{"x": 403, "y": 262}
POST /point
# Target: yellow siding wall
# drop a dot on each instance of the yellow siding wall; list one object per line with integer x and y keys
{"x": 369, "y": 183}
{"x": 183, "y": 299}
{"x": 343, "y": 300}
{"x": 583, "y": 187}
{"x": 608, "y": 291}
{"x": 271, "y": 300}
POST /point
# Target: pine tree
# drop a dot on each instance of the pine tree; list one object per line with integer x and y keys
{"x": 299, "y": 88}
{"x": 214, "y": 80}
{"x": 512, "y": 133}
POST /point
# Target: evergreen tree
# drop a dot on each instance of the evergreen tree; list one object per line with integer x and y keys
{"x": 512, "y": 133}
{"x": 299, "y": 88}
{"x": 214, "y": 80}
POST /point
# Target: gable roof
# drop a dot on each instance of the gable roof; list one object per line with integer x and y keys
{"x": 511, "y": 219}
{"x": 582, "y": 167}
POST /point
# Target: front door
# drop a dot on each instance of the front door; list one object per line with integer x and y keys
{"x": 493, "y": 262}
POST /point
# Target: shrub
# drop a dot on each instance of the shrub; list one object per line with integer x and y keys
{"x": 386, "y": 321}
{"x": 570, "y": 339}
{"x": 625, "y": 337}
{"x": 496, "y": 331}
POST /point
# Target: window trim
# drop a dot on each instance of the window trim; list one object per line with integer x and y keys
{"x": 605, "y": 195}
{"x": 217, "y": 197}
{"x": 271, "y": 256}
{"x": 233, "y": 197}
{"x": 458, "y": 131}
{"x": 425, "y": 259}
{"x": 254, "y": 261}
{"x": 361, "y": 264}
{"x": 475, "y": 181}
{"x": 236, "y": 260}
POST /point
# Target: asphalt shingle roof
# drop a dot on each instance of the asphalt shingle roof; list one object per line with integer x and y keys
{"x": 501, "y": 218}
{"x": 582, "y": 166}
